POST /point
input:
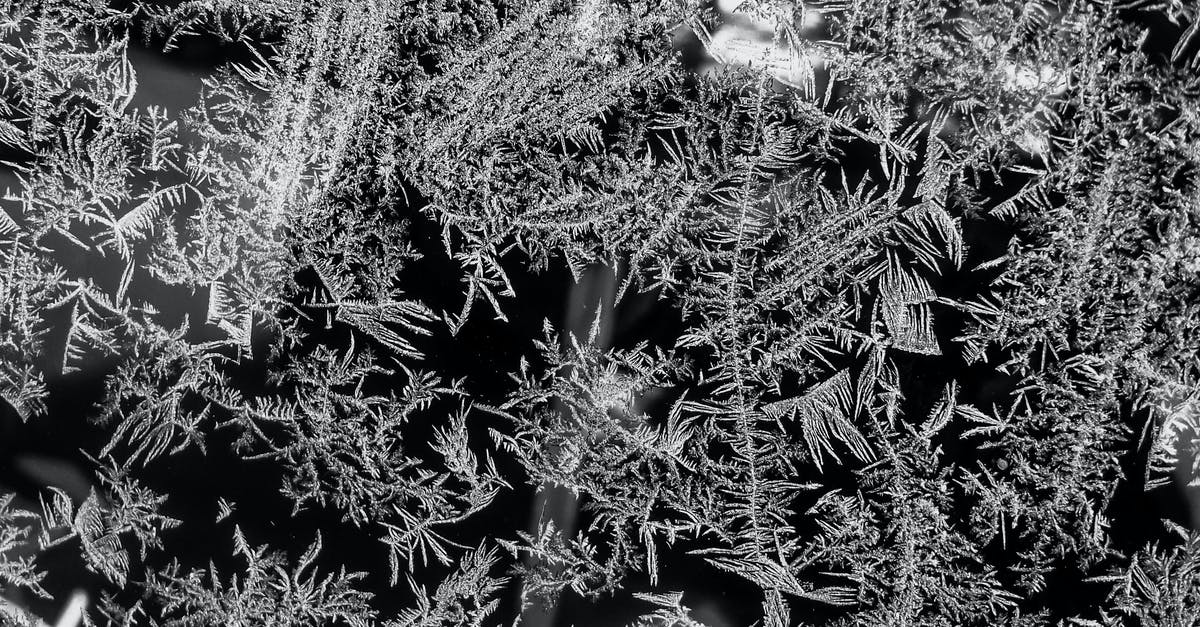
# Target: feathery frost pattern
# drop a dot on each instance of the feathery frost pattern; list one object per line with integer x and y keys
{"x": 586, "y": 312}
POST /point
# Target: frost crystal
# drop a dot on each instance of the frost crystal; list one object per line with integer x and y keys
{"x": 587, "y": 312}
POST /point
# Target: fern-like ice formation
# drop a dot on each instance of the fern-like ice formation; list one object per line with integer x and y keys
{"x": 877, "y": 313}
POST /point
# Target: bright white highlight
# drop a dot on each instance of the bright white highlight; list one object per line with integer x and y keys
{"x": 1045, "y": 78}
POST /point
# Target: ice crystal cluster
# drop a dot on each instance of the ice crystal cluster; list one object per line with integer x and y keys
{"x": 599, "y": 312}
